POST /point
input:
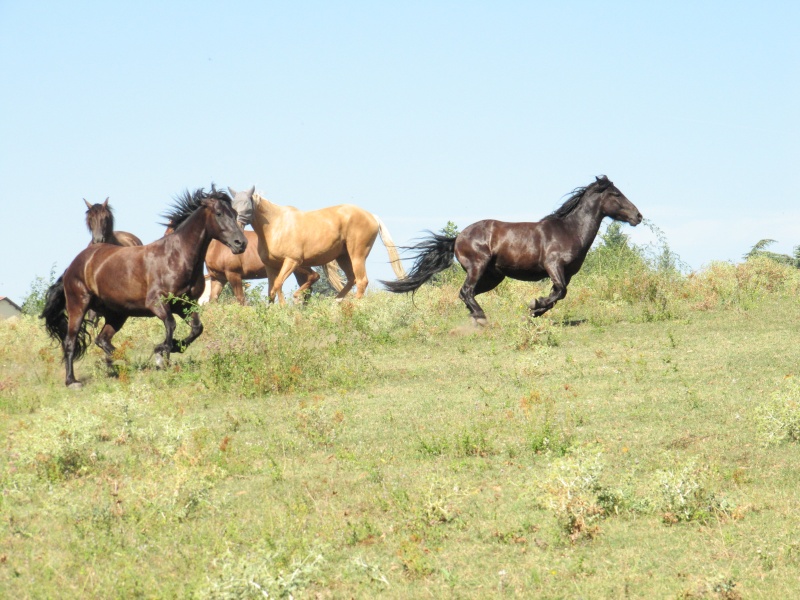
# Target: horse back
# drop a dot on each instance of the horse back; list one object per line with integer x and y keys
{"x": 122, "y": 278}
{"x": 321, "y": 235}
{"x": 123, "y": 238}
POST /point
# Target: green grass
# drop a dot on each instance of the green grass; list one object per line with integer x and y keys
{"x": 638, "y": 441}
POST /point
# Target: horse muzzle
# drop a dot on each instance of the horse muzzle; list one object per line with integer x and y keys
{"x": 238, "y": 245}
{"x": 635, "y": 219}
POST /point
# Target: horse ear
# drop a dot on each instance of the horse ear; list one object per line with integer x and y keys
{"x": 105, "y": 202}
{"x": 232, "y": 191}
{"x": 251, "y": 191}
{"x": 87, "y": 203}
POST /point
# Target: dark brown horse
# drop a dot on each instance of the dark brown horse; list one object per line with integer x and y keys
{"x": 555, "y": 247}
{"x": 118, "y": 282}
{"x": 100, "y": 221}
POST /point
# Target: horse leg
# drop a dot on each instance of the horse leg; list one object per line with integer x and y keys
{"x": 347, "y": 267}
{"x": 560, "y": 280}
{"x": 113, "y": 323}
{"x": 478, "y": 280}
{"x": 163, "y": 312}
{"x": 305, "y": 279}
{"x": 238, "y": 288}
{"x": 216, "y": 289}
{"x": 272, "y": 274}
{"x": 360, "y": 272}
{"x": 197, "y": 328}
{"x": 77, "y": 304}
{"x": 289, "y": 265}
{"x": 478, "y": 283}
{"x": 75, "y": 317}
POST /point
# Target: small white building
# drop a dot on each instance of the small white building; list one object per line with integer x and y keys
{"x": 8, "y": 308}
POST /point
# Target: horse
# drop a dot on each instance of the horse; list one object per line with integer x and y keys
{"x": 118, "y": 282}
{"x": 490, "y": 250}
{"x": 225, "y": 267}
{"x": 100, "y": 222}
{"x": 302, "y": 239}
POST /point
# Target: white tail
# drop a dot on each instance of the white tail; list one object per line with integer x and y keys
{"x": 332, "y": 271}
{"x": 391, "y": 248}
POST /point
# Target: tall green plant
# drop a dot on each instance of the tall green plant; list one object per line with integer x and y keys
{"x": 37, "y": 294}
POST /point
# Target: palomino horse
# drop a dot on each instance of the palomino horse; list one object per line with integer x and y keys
{"x": 118, "y": 282}
{"x": 225, "y": 267}
{"x": 302, "y": 239}
{"x": 100, "y": 222}
{"x": 555, "y": 247}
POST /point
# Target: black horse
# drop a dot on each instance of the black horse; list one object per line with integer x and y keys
{"x": 118, "y": 282}
{"x": 555, "y": 247}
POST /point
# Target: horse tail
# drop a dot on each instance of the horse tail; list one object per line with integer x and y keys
{"x": 56, "y": 321}
{"x": 434, "y": 255}
{"x": 332, "y": 271}
{"x": 391, "y": 248}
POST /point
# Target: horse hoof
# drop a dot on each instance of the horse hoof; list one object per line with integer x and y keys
{"x": 160, "y": 362}
{"x": 75, "y": 385}
{"x": 480, "y": 321}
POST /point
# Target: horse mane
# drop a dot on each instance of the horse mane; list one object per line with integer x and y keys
{"x": 600, "y": 184}
{"x": 188, "y": 202}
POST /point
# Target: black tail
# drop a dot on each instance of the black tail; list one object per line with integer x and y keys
{"x": 434, "y": 255}
{"x": 56, "y": 321}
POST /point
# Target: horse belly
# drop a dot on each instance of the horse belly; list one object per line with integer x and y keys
{"x": 523, "y": 264}
{"x": 523, "y": 274}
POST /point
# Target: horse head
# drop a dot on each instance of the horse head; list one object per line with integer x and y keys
{"x": 100, "y": 221}
{"x": 242, "y": 203}
{"x": 222, "y": 222}
{"x": 614, "y": 204}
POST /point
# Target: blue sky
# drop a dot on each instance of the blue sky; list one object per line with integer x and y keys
{"x": 421, "y": 112}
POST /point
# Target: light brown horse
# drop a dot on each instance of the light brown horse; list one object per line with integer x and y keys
{"x": 100, "y": 222}
{"x": 224, "y": 266}
{"x": 301, "y": 239}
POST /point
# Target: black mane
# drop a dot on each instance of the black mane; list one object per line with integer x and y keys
{"x": 188, "y": 202}
{"x": 601, "y": 183}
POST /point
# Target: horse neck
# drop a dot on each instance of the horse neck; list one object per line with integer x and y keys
{"x": 266, "y": 211}
{"x": 586, "y": 219}
{"x": 193, "y": 236}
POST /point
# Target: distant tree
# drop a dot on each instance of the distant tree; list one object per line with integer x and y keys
{"x": 450, "y": 230}
{"x": 760, "y": 250}
{"x": 454, "y": 273}
{"x": 612, "y": 252}
{"x": 613, "y": 238}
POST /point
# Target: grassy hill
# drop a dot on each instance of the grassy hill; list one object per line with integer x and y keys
{"x": 641, "y": 440}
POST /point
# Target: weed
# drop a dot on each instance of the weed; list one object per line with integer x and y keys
{"x": 572, "y": 488}
{"x": 262, "y": 574}
{"x": 685, "y": 495}
{"x": 549, "y": 437}
{"x": 778, "y": 419}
